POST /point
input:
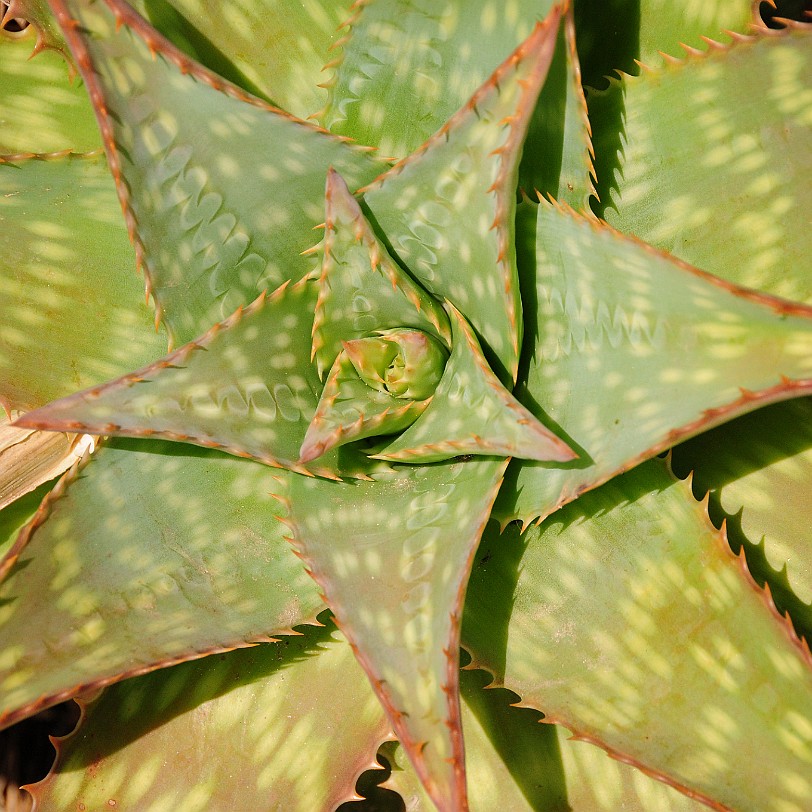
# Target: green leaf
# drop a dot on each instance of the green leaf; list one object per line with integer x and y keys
{"x": 472, "y": 413}
{"x": 288, "y": 725}
{"x": 246, "y": 387}
{"x": 757, "y": 469}
{"x": 392, "y": 557}
{"x": 221, "y": 191}
{"x": 153, "y": 554}
{"x": 40, "y": 110}
{"x": 405, "y": 66}
{"x": 626, "y": 618}
{"x": 448, "y": 208}
{"x": 350, "y": 409}
{"x": 280, "y": 60}
{"x": 515, "y": 763}
{"x": 717, "y": 161}
{"x": 71, "y": 304}
{"x": 636, "y": 351}
{"x": 361, "y": 289}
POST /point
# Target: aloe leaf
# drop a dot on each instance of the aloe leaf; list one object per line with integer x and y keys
{"x": 757, "y": 471}
{"x": 221, "y": 191}
{"x": 557, "y": 156}
{"x": 349, "y": 409}
{"x": 74, "y": 327}
{"x": 392, "y": 557}
{"x": 40, "y": 110}
{"x": 515, "y": 763}
{"x": 636, "y": 351}
{"x": 735, "y": 119}
{"x": 36, "y": 12}
{"x": 642, "y": 29}
{"x": 275, "y": 49}
{"x": 472, "y": 413}
{"x": 361, "y": 289}
{"x": 241, "y": 730}
{"x": 246, "y": 387}
{"x": 626, "y": 618}
{"x": 198, "y": 565}
{"x": 448, "y": 209}
{"x": 405, "y": 66}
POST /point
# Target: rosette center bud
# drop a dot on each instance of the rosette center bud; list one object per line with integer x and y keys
{"x": 401, "y": 362}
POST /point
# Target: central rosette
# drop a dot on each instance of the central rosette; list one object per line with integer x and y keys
{"x": 400, "y": 366}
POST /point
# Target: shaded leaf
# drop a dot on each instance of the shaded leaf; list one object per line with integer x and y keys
{"x": 152, "y": 554}
{"x": 516, "y": 763}
{"x": 40, "y": 110}
{"x": 626, "y": 618}
{"x": 757, "y": 469}
{"x": 71, "y": 304}
{"x": 242, "y": 730}
{"x": 275, "y": 49}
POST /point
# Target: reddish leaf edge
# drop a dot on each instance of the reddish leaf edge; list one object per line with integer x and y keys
{"x": 540, "y": 44}
{"x": 45, "y": 701}
{"x": 414, "y": 749}
{"x": 157, "y": 43}
{"x": 748, "y": 401}
{"x": 739, "y": 562}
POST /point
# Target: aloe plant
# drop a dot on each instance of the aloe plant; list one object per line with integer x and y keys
{"x": 425, "y": 316}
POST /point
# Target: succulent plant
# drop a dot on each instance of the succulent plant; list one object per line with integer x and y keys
{"x": 425, "y": 320}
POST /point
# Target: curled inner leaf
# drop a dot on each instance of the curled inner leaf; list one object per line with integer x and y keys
{"x": 403, "y": 363}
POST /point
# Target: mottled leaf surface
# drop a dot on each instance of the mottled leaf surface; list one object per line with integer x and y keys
{"x": 757, "y": 469}
{"x": 71, "y": 304}
{"x": 626, "y": 618}
{"x": 392, "y": 557}
{"x": 406, "y": 66}
{"x": 286, "y": 725}
{"x": 472, "y": 413}
{"x": 717, "y": 161}
{"x": 246, "y": 386}
{"x": 635, "y": 351}
{"x": 221, "y": 191}
{"x": 361, "y": 288}
{"x": 516, "y": 763}
{"x": 448, "y": 209}
{"x": 155, "y": 553}
{"x": 40, "y": 109}
{"x": 275, "y": 49}
{"x": 349, "y": 410}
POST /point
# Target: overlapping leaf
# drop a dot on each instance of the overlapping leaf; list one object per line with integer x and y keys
{"x": 147, "y": 557}
{"x": 405, "y": 66}
{"x": 626, "y": 618}
{"x": 179, "y": 140}
{"x": 448, "y": 208}
{"x": 252, "y": 724}
{"x": 735, "y": 119}
{"x": 71, "y": 304}
{"x": 392, "y": 557}
{"x": 246, "y": 386}
{"x": 635, "y": 351}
